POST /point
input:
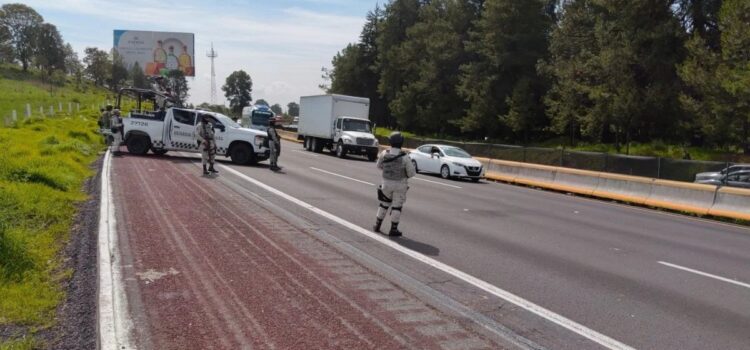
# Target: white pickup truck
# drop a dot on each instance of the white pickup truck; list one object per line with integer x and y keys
{"x": 174, "y": 129}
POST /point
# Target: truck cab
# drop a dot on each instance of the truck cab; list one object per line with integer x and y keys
{"x": 256, "y": 117}
{"x": 354, "y": 136}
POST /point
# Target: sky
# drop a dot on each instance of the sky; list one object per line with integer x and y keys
{"x": 282, "y": 44}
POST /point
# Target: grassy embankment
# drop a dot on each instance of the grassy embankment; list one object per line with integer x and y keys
{"x": 43, "y": 164}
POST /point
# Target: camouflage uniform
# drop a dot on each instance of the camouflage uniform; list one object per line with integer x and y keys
{"x": 208, "y": 146}
{"x": 397, "y": 169}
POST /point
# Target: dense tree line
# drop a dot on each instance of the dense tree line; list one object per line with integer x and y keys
{"x": 610, "y": 71}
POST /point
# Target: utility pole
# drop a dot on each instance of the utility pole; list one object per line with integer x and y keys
{"x": 212, "y": 55}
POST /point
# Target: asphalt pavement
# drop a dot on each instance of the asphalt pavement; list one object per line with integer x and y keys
{"x": 641, "y": 278}
{"x": 647, "y": 279}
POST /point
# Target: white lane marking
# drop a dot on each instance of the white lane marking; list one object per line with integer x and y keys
{"x": 114, "y": 322}
{"x": 560, "y": 320}
{"x": 342, "y": 176}
{"x": 306, "y": 152}
{"x": 435, "y": 182}
{"x": 705, "y": 274}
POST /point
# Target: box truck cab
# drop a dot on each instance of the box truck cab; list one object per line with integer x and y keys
{"x": 256, "y": 117}
{"x": 339, "y": 123}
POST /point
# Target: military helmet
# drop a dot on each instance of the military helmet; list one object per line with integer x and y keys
{"x": 396, "y": 139}
{"x": 109, "y": 106}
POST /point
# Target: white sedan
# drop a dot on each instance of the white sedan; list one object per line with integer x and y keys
{"x": 448, "y": 161}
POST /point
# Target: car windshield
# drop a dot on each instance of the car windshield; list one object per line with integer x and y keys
{"x": 455, "y": 152}
{"x": 356, "y": 125}
{"x": 227, "y": 121}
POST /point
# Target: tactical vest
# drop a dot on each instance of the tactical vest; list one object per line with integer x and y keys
{"x": 394, "y": 167}
{"x": 207, "y": 132}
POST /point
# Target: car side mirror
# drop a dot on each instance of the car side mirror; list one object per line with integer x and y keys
{"x": 221, "y": 127}
{"x": 436, "y": 155}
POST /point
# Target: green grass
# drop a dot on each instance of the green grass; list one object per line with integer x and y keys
{"x": 19, "y": 88}
{"x": 20, "y": 344}
{"x": 43, "y": 164}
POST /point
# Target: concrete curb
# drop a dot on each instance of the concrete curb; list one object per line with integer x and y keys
{"x": 113, "y": 326}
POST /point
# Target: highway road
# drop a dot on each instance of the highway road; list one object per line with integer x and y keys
{"x": 646, "y": 279}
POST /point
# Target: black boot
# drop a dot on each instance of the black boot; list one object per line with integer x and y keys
{"x": 394, "y": 232}
{"x": 211, "y": 169}
{"x": 205, "y": 171}
{"x": 376, "y": 227}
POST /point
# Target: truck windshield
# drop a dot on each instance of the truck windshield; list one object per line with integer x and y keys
{"x": 261, "y": 117}
{"x": 356, "y": 125}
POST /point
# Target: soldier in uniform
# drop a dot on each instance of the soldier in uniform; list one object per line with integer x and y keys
{"x": 207, "y": 144}
{"x": 274, "y": 143}
{"x": 397, "y": 169}
{"x": 116, "y": 128}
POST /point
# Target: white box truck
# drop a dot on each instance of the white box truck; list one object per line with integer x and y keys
{"x": 339, "y": 123}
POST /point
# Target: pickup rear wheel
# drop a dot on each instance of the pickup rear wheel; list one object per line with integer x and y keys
{"x": 138, "y": 144}
{"x": 241, "y": 154}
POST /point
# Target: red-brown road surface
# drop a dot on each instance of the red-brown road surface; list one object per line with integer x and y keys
{"x": 207, "y": 267}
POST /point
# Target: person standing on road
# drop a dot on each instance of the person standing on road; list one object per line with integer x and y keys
{"x": 397, "y": 169}
{"x": 116, "y": 129}
{"x": 274, "y": 143}
{"x": 207, "y": 144}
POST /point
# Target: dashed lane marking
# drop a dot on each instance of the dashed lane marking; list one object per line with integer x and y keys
{"x": 540, "y": 311}
{"x": 342, "y": 176}
{"x": 705, "y": 274}
{"x": 435, "y": 182}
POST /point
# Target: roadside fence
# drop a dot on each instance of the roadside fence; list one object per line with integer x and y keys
{"x": 28, "y": 110}
{"x": 651, "y": 167}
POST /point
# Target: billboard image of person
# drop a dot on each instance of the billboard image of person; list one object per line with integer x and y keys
{"x": 157, "y": 52}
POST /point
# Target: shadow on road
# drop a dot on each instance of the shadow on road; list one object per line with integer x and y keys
{"x": 419, "y": 247}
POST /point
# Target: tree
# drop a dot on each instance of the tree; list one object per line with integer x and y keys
{"x": 613, "y": 70}
{"x": 701, "y": 17}
{"x": 178, "y": 86}
{"x": 262, "y": 102}
{"x": 118, "y": 73}
{"x": 72, "y": 64}
{"x": 292, "y": 109}
{"x": 22, "y": 22}
{"x": 429, "y": 59}
{"x": 138, "y": 77}
{"x": 720, "y": 81}
{"x": 399, "y": 16}
{"x": 238, "y": 89}
{"x": 98, "y": 66}
{"x": 215, "y": 108}
{"x": 6, "y": 45}
{"x": 501, "y": 84}
{"x": 49, "y": 53}
{"x": 276, "y": 108}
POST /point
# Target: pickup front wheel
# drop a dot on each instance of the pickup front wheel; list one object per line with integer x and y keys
{"x": 241, "y": 154}
{"x": 138, "y": 144}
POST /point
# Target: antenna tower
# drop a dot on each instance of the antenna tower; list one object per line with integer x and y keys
{"x": 212, "y": 55}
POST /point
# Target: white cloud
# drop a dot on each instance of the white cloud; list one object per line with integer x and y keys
{"x": 282, "y": 50}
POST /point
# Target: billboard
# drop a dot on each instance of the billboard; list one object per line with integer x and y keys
{"x": 157, "y": 52}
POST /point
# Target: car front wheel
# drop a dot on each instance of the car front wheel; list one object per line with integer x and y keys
{"x": 445, "y": 172}
{"x": 416, "y": 168}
